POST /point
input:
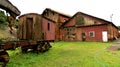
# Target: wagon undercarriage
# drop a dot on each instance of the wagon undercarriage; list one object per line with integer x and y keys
{"x": 36, "y": 46}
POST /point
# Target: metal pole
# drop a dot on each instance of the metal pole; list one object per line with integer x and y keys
{"x": 111, "y": 17}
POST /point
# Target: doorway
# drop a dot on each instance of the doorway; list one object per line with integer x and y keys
{"x": 104, "y": 36}
{"x": 83, "y": 36}
{"x": 29, "y": 28}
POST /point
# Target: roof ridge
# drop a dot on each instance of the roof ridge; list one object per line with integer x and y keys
{"x": 61, "y": 13}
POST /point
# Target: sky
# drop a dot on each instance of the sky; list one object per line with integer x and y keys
{"x": 104, "y": 9}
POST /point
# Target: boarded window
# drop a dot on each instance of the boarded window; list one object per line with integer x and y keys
{"x": 92, "y": 34}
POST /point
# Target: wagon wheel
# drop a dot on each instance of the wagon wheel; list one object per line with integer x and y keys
{"x": 4, "y": 58}
{"x": 47, "y": 46}
{"x": 44, "y": 47}
{"x": 24, "y": 49}
{"x": 39, "y": 48}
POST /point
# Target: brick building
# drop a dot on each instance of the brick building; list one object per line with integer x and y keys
{"x": 84, "y": 27}
{"x": 58, "y": 17}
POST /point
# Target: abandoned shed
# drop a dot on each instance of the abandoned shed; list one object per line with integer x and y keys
{"x": 84, "y": 27}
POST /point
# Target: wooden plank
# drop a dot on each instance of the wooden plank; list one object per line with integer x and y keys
{"x": 38, "y": 28}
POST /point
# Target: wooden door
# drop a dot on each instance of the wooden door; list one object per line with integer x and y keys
{"x": 83, "y": 36}
{"x": 29, "y": 28}
{"x": 104, "y": 36}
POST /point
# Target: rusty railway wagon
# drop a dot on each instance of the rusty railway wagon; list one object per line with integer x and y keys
{"x": 30, "y": 34}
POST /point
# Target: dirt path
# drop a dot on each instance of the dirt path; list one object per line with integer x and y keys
{"x": 115, "y": 46}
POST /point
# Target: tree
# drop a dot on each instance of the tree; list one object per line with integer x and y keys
{"x": 4, "y": 21}
{"x": 3, "y": 18}
{"x": 16, "y": 24}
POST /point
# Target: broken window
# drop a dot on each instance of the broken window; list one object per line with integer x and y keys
{"x": 79, "y": 20}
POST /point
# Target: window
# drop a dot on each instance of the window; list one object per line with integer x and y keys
{"x": 65, "y": 29}
{"x": 95, "y": 22}
{"x": 65, "y": 20}
{"x": 48, "y": 26}
{"x": 92, "y": 34}
{"x": 79, "y": 20}
{"x": 70, "y": 29}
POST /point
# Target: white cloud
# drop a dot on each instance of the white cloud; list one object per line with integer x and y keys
{"x": 99, "y": 8}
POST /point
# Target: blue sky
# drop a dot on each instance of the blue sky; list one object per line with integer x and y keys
{"x": 104, "y": 9}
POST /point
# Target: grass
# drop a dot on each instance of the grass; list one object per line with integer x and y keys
{"x": 68, "y": 54}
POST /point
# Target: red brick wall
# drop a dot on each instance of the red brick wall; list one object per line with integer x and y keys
{"x": 116, "y": 32}
{"x": 62, "y": 34}
{"x": 61, "y": 20}
{"x": 48, "y": 34}
{"x": 71, "y": 23}
{"x": 97, "y": 26}
{"x": 96, "y": 29}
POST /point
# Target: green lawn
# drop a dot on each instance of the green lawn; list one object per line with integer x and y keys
{"x": 68, "y": 54}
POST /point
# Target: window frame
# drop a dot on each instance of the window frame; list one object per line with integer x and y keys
{"x": 93, "y": 33}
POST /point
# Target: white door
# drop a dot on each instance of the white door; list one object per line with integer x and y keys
{"x": 104, "y": 36}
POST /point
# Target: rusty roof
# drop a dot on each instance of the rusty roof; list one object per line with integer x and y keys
{"x": 89, "y": 16}
{"x": 29, "y": 14}
{"x": 37, "y": 15}
{"x": 60, "y": 13}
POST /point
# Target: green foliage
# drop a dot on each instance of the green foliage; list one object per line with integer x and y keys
{"x": 16, "y": 24}
{"x": 118, "y": 48}
{"x": 68, "y": 54}
{"x": 4, "y": 21}
{"x": 3, "y": 18}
